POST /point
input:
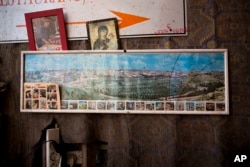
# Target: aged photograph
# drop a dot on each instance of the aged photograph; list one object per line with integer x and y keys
{"x": 46, "y": 30}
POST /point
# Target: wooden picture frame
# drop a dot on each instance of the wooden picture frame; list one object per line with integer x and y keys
{"x": 103, "y": 34}
{"x": 161, "y": 81}
{"x": 46, "y": 30}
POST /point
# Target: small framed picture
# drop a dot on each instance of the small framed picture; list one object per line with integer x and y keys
{"x": 103, "y": 34}
{"x": 46, "y": 30}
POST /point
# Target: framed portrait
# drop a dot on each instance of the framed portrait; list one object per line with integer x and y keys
{"x": 46, "y": 30}
{"x": 103, "y": 34}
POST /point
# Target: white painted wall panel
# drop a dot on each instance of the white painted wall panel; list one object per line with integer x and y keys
{"x": 161, "y": 17}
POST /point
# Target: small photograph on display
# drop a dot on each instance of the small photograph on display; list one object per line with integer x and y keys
{"x": 159, "y": 105}
{"x": 169, "y": 106}
{"x": 179, "y": 106}
{"x": 200, "y": 106}
{"x": 130, "y": 105}
{"x": 73, "y": 105}
{"x": 120, "y": 106}
{"x": 82, "y": 105}
{"x": 220, "y": 106}
{"x": 91, "y": 105}
{"x": 111, "y": 105}
{"x": 140, "y": 106}
{"x": 190, "y": 106}
{"x": 150, "y": 105}
{"x": 210, "y": 106}
{"x": 101, "y": 105}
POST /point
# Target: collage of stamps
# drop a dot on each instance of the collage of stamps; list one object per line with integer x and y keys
{"x": 41, "y": 96}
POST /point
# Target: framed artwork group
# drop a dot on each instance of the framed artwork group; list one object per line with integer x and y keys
{"x": 181, "y": 81}
{"x": 46, "y": 31}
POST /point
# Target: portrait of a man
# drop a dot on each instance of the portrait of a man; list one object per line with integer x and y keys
{"x": 46, "y": 33}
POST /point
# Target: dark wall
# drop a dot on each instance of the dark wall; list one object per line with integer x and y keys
{"x": 148, "y": 140}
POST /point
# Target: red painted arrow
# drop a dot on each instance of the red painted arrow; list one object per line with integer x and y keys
{"x": 128, "y": 19}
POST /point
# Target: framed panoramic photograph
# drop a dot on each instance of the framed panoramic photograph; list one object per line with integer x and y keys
{"x": 103, "y": 34}
{"x": 168, "y": 81}
{"x": 46, "y": 30}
